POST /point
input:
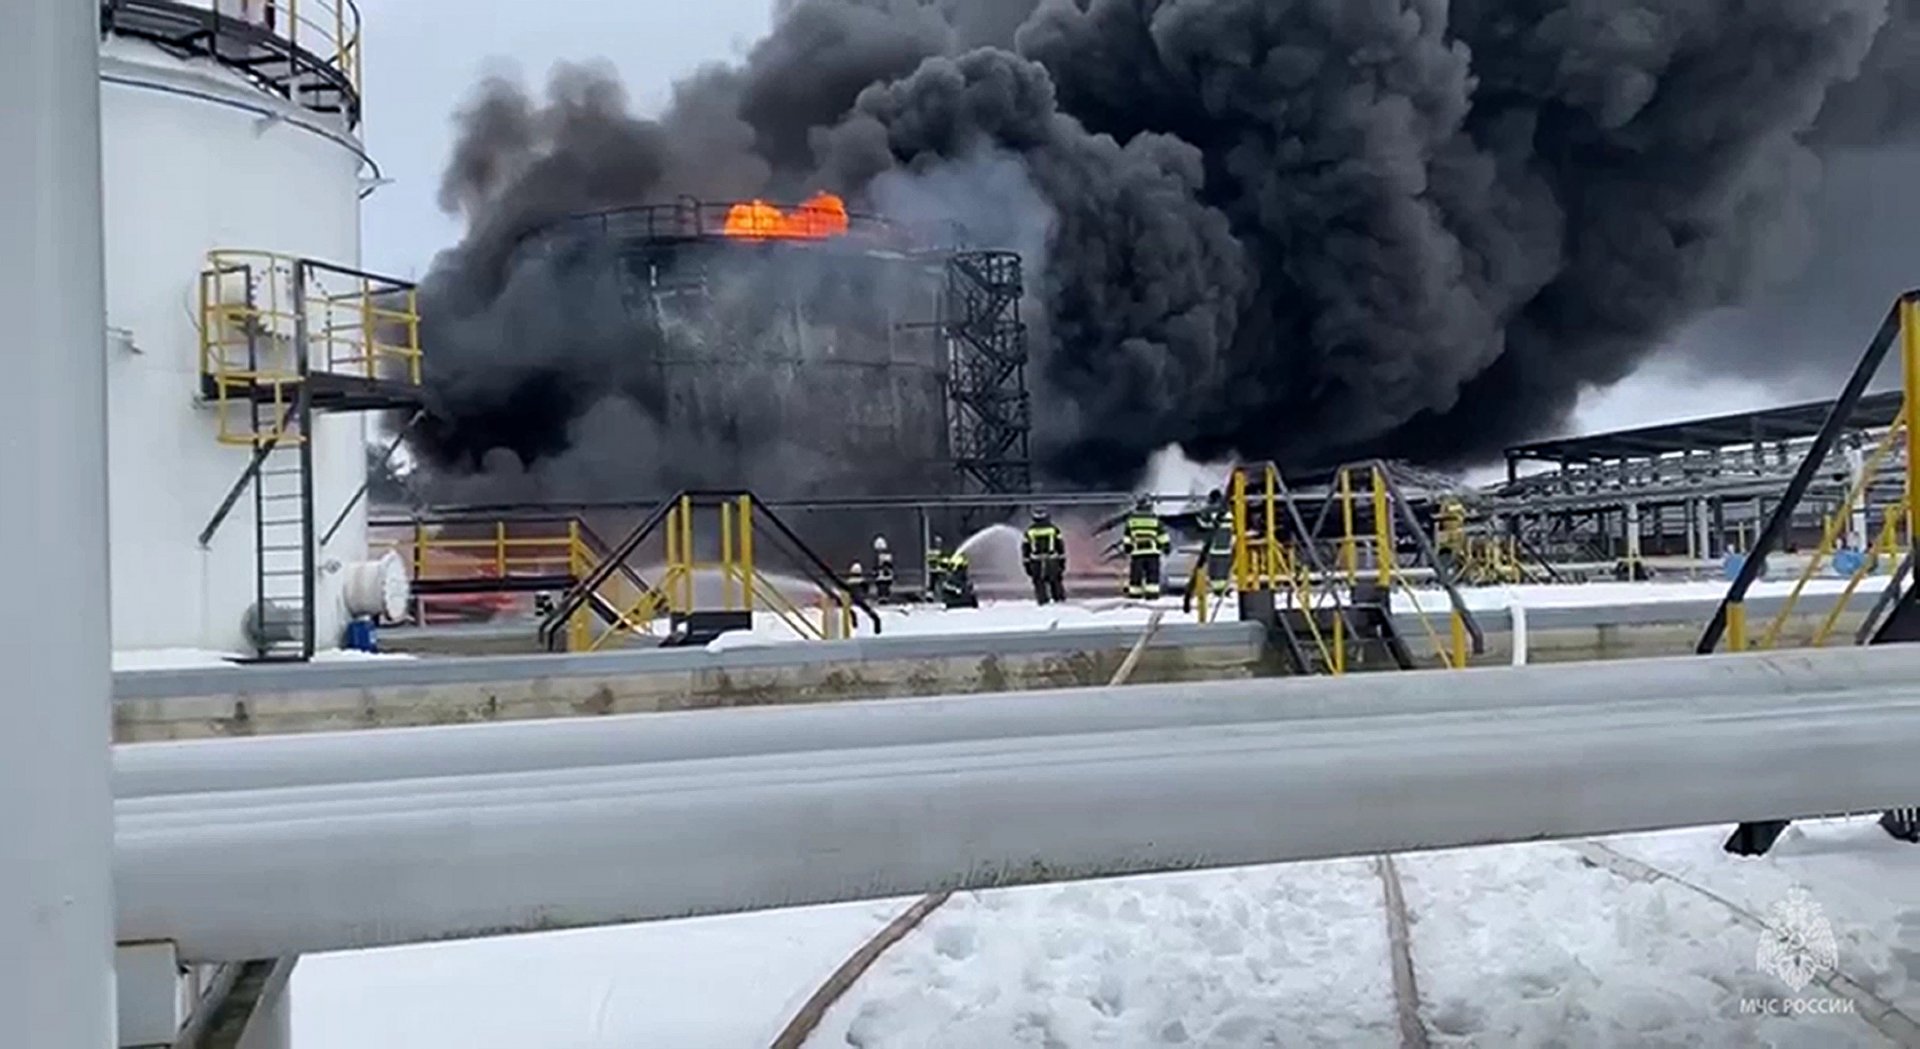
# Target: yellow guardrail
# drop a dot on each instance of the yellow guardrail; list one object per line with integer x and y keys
{"x": 1452, "y": 652}
{"x": 1263, "y": 562}
{"x": 1895, "y": 537}
{"x": 744, "y": 588}
{"x": 329, "y": 30}
{"x": 1833, "y": 532}
{"x": 1481, "y": 560}
{"x": 504, "y": 554}
{"x": 259, "y": 310}
{"x": 1266, "y": 559}
{"x": 507, "y": 552}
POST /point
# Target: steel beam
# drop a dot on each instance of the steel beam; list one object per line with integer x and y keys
{"x": 56, "y": 942}
{"x": 1509, "y": 754}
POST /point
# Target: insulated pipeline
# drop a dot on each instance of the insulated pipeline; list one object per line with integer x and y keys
{"x": 671, "y": 839}
{"x": 149, "y": 769}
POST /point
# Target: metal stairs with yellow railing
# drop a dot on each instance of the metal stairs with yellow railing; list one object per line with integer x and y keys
{"x": 283, "y": 340}
{"x": 1894, "y": 618}
{"x": 1327, "y": 618}
{"x": 694, "y": 559}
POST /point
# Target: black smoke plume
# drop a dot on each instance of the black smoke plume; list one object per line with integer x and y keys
{"x": 1291, "y": 229}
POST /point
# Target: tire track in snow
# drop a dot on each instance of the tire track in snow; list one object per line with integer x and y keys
{"x": 1879, "y": 1013}
{"x": 807, "y": 1020}
{"x": 1406, "y": 990}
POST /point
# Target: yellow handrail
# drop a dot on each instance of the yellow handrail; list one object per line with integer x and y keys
{"x": 255, "y": 306}
{"x": 1832, "y": 528}
{"x": 1882, "y": 545}
{"x": 1383, "y": 547}
{"x": 1910, "y": 410}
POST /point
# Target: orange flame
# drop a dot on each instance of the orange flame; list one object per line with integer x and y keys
{"x": 823, "y": 216}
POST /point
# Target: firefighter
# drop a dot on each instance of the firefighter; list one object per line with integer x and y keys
{"x": 956, "y": 584}
{"x": 936, "y": 568}
{"x": 1216, "y": 530}
{"x": 1146, "y": 542}
{"x": 1044, "y": 553}
{"x": 882, "y": 569}
{"x": 857, "y": 580}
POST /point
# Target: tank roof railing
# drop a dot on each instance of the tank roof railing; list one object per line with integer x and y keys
{"x": 305, "y": 51}
{"x": 689, "y": 219}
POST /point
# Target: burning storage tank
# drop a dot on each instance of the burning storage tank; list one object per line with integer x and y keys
{"x": 790, "y": 350}
{"x": 623, "y": 355}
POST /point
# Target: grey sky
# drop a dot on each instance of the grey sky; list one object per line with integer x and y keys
{"x": 423, "y": 57}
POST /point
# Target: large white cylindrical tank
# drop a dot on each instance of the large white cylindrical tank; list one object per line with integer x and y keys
{"x": 197, "y": 158}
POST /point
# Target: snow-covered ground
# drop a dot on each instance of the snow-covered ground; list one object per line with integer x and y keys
{"x": 1512, "y": 946}
{"x": 194, "y": 658}
{"x": 1588, "y": 595}
{"x": 1013, "y": 616}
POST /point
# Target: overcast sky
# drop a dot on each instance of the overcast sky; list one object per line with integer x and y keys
{"x": 424, "y": 56}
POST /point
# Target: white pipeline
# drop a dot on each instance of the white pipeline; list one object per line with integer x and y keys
{"x": 371, "y": 757}
{"x": 310, "y": 870}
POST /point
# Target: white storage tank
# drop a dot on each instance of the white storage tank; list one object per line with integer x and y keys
{"x": 226, "y": 124}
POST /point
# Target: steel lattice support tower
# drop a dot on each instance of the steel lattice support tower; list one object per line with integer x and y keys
{"x": 989, "y": 419}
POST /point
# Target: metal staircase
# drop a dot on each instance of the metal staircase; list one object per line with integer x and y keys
{"x": 1324, "y": 614}
{"x": 747, "y": 531}
{"x": 1895, "y": 617}
{"x": 284, "y": 340}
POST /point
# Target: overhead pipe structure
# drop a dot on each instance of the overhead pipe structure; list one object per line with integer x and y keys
{"x": 815, "y": 812}
{"x": 56, "y": 916}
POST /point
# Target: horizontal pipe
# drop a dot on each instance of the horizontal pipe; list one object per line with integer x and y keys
{"x": 367, "y": 799}
{"x": 677, "y": 838}
{"x": 147, "y": 770}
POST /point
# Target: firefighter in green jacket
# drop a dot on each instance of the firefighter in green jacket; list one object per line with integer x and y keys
{"x": 956, "y": 583}
{"x": 1145, "y": 541}
{"x": 1044, "y": 553}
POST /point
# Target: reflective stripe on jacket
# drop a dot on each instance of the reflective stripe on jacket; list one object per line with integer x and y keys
{"x": 1043, "y": 543}
{"x": 1146, "y": 535}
